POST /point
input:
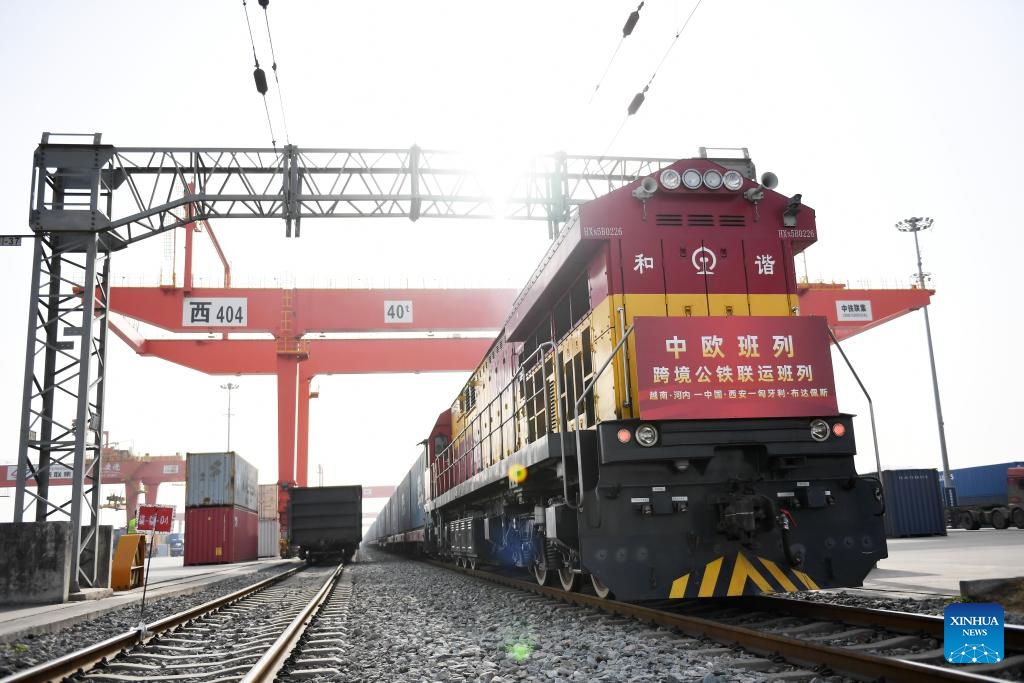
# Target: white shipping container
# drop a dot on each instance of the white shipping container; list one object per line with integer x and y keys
{"x": 270, "y": 535}
{"x": 220, "y": 480}
{"x": 267, "y": 501}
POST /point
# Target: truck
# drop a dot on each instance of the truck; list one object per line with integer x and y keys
{"x": 325, "y": 522}
{"x": 989, "y": 495}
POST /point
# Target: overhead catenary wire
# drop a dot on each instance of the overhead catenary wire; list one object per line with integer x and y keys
{"x": 627, "y": 29}
{"x": 273, "y": 66}
{"x": 638, "y": 99}
{"x": 259, "y": 76}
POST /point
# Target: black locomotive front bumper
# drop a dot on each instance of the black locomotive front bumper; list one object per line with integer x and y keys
{"x": 730, "y": 507}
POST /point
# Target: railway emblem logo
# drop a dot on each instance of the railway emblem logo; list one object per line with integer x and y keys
{"x": 973, "y": 633}
{"x": 704, "y": 260}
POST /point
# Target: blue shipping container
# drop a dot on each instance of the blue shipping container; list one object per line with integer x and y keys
{"x": 982, "y": 485}
{"x": 913, "y": 503}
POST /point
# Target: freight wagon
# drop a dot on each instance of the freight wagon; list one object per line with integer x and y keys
{"x": 399, "y": 525}
{"x": 326, "y": 522}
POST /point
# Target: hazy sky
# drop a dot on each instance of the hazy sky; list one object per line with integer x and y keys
{"x": 874, "y": 111}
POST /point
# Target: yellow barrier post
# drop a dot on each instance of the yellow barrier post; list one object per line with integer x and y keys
{"x": 126, "y": 569}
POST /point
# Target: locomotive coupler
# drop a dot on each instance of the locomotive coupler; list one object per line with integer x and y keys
{"x": 743, "y": 516}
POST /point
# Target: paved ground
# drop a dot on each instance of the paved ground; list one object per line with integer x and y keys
{"x": 937, "y": 564}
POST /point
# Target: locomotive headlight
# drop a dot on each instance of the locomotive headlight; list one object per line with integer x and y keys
{"x": 670, "y": 179}
{"x": 733, "y": 180}
{"x": 646, "y": 435}
{"x": 691, "y": 178}
{"x": 819, "y": 430}
{"x": 712, "y": 179}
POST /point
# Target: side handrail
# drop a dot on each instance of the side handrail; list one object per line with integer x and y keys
{"x": 589, "y": 388}
{"x": 527, "y": 364}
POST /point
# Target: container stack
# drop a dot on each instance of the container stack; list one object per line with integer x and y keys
{"x": 220, "y": 509}
{"x": 270, "y": 523}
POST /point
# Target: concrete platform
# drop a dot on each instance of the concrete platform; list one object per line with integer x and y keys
{"x": 934, "y": 566}
{"x": 167, "y": 576}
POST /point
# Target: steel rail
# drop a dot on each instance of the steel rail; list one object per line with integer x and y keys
{"x": 902, "y": 622}
{"x": 859, "y": 665}
{"x": 81, "y": 660}
{"x": 274, "y": 659}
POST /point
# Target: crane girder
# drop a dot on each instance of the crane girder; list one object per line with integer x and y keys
{"x": 148, "y": 188}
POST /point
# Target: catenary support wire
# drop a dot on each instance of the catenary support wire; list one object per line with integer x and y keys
{"x": 259, "y": 76}
{"x": 638, "y": 99}
{"x": 273, "y": 66}
{"x": 627, "y": 29}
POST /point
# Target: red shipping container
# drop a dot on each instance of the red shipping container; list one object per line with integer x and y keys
{"x": 218, "y": 535}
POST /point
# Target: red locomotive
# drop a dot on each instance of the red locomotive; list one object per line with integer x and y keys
{"x": 656, "y": 416}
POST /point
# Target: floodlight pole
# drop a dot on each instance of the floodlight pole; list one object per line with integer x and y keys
{"x": 230, "y": 386}
{"x": 915, "y": 225}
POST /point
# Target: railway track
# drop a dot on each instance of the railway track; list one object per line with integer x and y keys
{"x": 817, "y": 639}
{"x": 250, "y": 635}
{"x": 254, "y": 635}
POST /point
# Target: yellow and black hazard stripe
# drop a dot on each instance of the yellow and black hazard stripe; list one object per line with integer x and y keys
{"x": 740, "y": 575}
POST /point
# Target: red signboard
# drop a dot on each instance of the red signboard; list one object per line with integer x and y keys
{"x": 155, "y": 517}
{"x": 704, "y": 367}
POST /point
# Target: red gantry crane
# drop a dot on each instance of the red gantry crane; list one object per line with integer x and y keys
{"x": 139, "y": 474}
{"x": 297, "y": 322}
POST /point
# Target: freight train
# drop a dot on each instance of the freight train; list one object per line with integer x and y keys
{"x": 325, "y": 523}
{"x": 655, "y": 417}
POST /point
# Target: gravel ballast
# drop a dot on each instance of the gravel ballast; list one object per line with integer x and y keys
{"x": 410, "y": 621}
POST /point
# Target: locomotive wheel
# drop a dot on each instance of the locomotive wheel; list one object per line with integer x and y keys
{"x": 541, "y": 573}
{"x": 473, "y": 563}
{"x": 1018, "y": 518}
{"x": 600, "y": 589}
{"x": 569, "y": 579}
{"x": 1000, "y": 520}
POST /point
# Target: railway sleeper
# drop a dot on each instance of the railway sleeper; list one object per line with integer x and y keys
{"x": 859, "y": 635}
{"x": 749, "y": 663}
{"x": 898, "y": 641}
